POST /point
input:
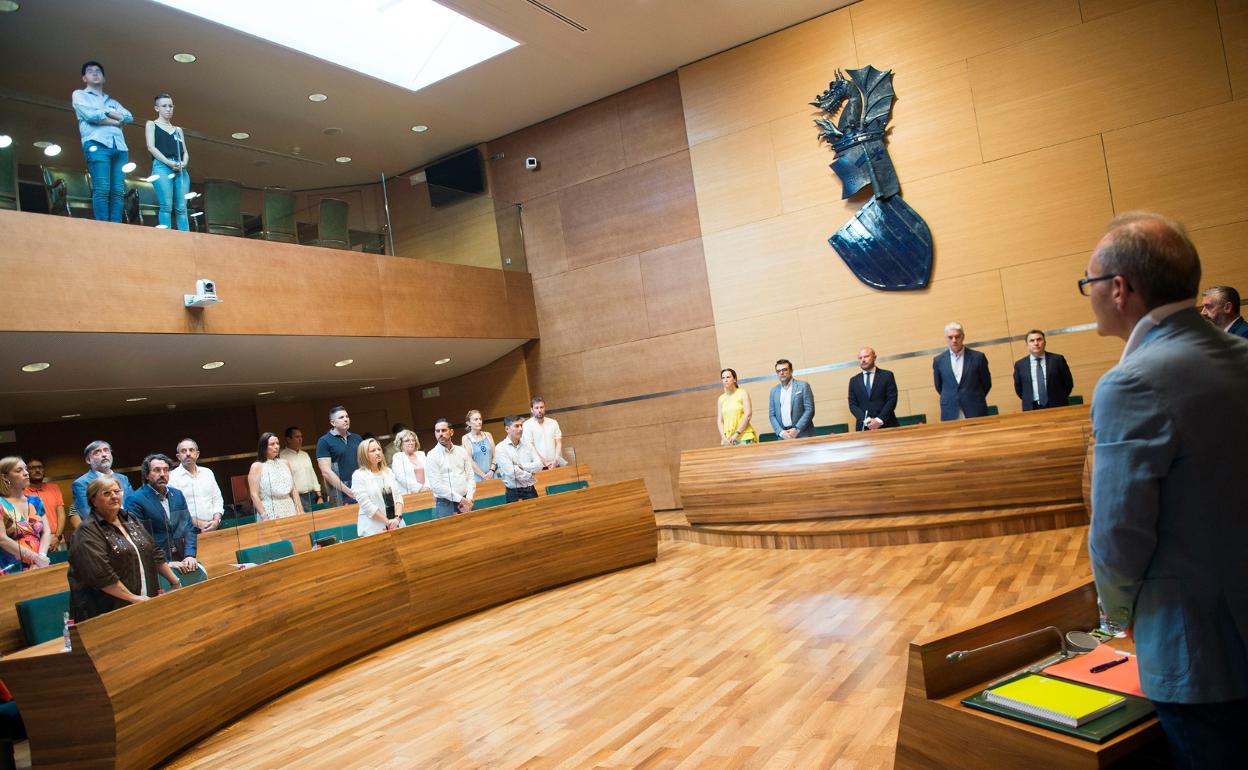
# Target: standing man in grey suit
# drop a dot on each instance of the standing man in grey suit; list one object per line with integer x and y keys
{"x": 1220, "y": 306}
{"x": 1168, "y": 536}
{"x": 792, "y": 405}
{"x": 961, "y": 376}
{"x": 1042, "y": 379}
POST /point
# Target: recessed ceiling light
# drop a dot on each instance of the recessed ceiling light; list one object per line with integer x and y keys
{"x": 127, "y": 168}
{"x": 240, "y": 135}
{"x": 344, "y": 362}
{"x": 42, "y": 145}
{"x": 317, "y": 97}
{"x": 67, "y": 416}
{"x": 136, "y": 398}
{"x": 38, "y": 366}
{"x": 420, "y": 129}
{"x": 5, "y": 141}
{"x": 191, "y": 196}
{"x": 184, "y": 58}
{"x": 441, "y": 361}
{"x": 213, "y": 365}
{"x": 52, "y": 150}
{"x": 331, "y": 131}
{"x": 368, "y": 387}
{"x": 266, "y": 392}
{"x": 343, "y": 159}
{"x": 8, "y": 6}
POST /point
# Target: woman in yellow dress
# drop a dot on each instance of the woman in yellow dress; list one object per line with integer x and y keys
{"x": 734, "y": 412}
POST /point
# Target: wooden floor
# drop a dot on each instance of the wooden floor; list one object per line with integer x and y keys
{"x": 711, "y": 657}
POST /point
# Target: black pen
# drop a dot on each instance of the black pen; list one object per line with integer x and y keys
{"x": 1109, "y": 664}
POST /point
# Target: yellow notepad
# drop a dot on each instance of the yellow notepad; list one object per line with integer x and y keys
{"x": 1063, "y": 702}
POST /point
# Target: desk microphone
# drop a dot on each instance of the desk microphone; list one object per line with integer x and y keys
{"x": 958, "y": 655}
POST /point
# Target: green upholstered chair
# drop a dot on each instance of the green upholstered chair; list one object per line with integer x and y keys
{"x": 832, "y": 430}
{"x": 369, "y": 242}
{"x": 43, "y": 617}
{"x": 489, "y": 502}
{"x": 416, "y": 517}
{"x": 58, "y": 557}
{"x": 142, "y": 205}
{"x": 912, "y": 419}
{"x": 223, "y": 207}
{"x": 237, "y": 521}
{"x": 331, "y": 226}
{"x": 199, "y": 575}
{"x": 993, "y": 411}
{"x": 1074, "y": 400}
{"x": 322, "y": 506}
{"x": 765, "y": 437}
{"x": 277, "y": 219}
{"x": 260, "y": 554}
{"x": 9, "y": 198}
{"x": 340, "y": 534}
{"x": 69, "y": 191}
{"x": 555, "y": 489}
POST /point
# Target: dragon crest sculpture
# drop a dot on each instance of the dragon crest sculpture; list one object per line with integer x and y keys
{"x": 887, "y": 244}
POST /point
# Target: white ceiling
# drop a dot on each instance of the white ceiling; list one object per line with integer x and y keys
{"x": 241, "y": 83}
{"x": 94, "y": 374}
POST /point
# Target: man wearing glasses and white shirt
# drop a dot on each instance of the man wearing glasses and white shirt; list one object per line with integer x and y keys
{"x": 448, "y": 472}
{"x": 199, "y": 487}
{"x": 517, "y": 462}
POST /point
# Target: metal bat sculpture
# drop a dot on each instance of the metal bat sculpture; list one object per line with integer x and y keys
{"x": 887, "y": 244}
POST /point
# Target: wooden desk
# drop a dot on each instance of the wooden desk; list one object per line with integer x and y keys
{"x": 216, "y": 549}
{"x": 144, "y": 681}
{"x": 938, "y": 732}
{"x": 1009, "y": 461}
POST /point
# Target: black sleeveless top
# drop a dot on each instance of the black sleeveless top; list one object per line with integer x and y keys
{"x": 169, "y": 144}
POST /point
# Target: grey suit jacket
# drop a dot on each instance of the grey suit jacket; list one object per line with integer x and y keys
{"x": 1169, "y": 534}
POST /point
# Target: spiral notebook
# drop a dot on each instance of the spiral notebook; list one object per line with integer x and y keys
{"x": 1055, "y": 700}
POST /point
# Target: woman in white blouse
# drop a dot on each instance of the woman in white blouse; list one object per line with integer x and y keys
{"x": 373, "y": 482}
{"x": 409, "y": 463}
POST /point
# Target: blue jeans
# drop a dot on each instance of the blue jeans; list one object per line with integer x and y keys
{"x": 443, "y": 508}
{"x": 171, "y": 190}
{"x": 108, "y": 183}
{"x": 521, "y": 493}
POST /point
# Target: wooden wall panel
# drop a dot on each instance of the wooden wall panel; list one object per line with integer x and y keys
{"x": 596, "y": 306}
{"x": 414, "y": 294}
{"x": 1095, "y": 9}
{"x": 751, "y": 345}
{"x": 933, "y": 129}
{"x": 559, "y": 379}
{"x": 1199, "y": 177}
{"x": 656, "y": 364}
{"x": 907, "y": 35}
{"x": 1098, "y": 76}
{"x": 638, "y": 209}
{"x": 496, "y": 390}
{"x": 652, "y": 123}
{"x": 1045, "y": 294}
{"x": 676, "y": 292}
{"x": 735, "y": 178}
{"x": 765, "y": 79}
{"x": 802, "y": 169}
{"x": 1233, "y": 16}
{"x": 1221, "y": 252}
{"x": 543, "y": 236}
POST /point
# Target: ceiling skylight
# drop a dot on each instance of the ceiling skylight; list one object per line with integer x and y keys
{"x": 410, "y": 43}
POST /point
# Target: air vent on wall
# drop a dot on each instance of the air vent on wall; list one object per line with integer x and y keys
{"x": 557, "y": 15}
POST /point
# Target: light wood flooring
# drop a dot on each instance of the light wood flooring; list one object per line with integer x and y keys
{"x": 711, "y": 657}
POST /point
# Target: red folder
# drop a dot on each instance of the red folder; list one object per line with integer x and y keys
{"x": 1124, "y": 678}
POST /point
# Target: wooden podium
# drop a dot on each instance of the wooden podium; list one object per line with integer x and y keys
{"x": 938, "y": 732}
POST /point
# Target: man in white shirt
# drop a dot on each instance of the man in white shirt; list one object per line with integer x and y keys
{"x": 199, "y": 487}
{"x": 544, "y": 434}
{"x": 301, "y": 467}
{"x": 448, "y": 471}
{"x": 517, "y": 462}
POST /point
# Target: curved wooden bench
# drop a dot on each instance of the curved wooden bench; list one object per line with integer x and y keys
{"x": 216, "y": 549}
{"x": 1009, "y": 461}
{"x": 149, "y": 679}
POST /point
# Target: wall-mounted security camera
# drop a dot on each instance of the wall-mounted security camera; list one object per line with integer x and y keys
{"x": 531, "y": 163}
{"x": 205, "y": 294}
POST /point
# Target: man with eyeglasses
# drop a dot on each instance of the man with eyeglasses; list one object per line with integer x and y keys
{"x": 50, "y": 494}
{"x": 1168, "y": 534}
{"x": 1220, "y": 307}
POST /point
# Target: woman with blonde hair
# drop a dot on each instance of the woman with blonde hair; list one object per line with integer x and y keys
{"x": 376, "y": 491}
{"x": 480, "y": 447}
{"x": 25, "y": 537}
{"x": 733, "y": 412}
{"x": 409, "y": 463}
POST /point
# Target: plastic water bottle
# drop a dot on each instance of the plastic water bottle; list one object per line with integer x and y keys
{"x": 68, "y": 645}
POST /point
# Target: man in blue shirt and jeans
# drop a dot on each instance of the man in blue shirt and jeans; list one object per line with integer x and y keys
{"x": 336, "y": 453}
{"x": 100, "y": 118}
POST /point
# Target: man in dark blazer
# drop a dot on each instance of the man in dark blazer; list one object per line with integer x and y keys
{"x": 961, "y": 377}
{"x": 872, "y": 394}
{"x": 1168, "y": 532}
{"x": 1042, "y": 380}
{"x": 1220, "y": 306}
{"x": 791, "y": 406}
{"x": 163, "y": 512}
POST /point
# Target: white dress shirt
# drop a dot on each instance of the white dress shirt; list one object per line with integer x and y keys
{"x": 301, "y": 469}
{"x": 786, "y": 404}
{"x": 203, "y": 496}
{"x": 405, "y": 472}
{"x": 955, "y": 363}
{"x": 1044, "y": 373}
{"x": 449, "y": 473}
{"x": 543, "y": 436}
{"x": 516, "y": 464}
{"x": 369, "y": 489}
